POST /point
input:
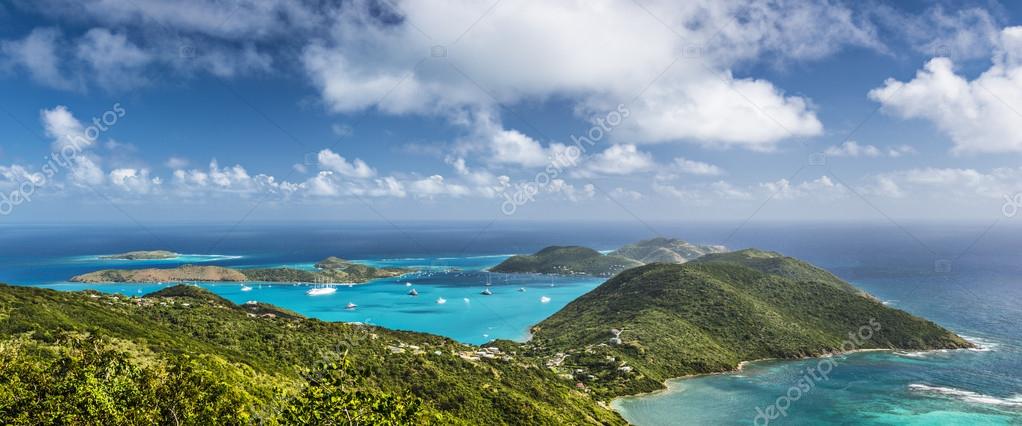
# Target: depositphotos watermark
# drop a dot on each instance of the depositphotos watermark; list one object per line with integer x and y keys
{"x": 520, "y": 194}
{"x": 813, "y": 376}
{"x": 1011, "y": 205}
{"x": 71, "y": 146}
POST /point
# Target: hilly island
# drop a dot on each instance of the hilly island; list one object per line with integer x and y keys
{"x": 329, "y": 270}
{"x": 205, "y": 359}
{"x": 575, "y": 260}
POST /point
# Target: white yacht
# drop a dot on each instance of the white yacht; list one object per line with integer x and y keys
{"x": 322, "y": 291}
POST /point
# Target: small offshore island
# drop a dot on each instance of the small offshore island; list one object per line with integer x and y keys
{"x": 143, "y": 255}
{"x": 676, "y": 312}
{"x": 329, "y": 270}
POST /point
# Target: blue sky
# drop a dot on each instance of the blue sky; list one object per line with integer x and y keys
{"x": 362, "y": 110}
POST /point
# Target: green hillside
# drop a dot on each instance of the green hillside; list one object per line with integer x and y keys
{"x": 570, "y": 260}
{"x": 710, "y": 315}
{"x": 185, "y": 356}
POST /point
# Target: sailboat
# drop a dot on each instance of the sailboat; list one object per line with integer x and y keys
{"x": 486, "y": 292}
{"x": 440, "y": 301}
{"x": 351, "y": 306}
{"x": 489, "y": 282}
{"x": 413, "y": 293}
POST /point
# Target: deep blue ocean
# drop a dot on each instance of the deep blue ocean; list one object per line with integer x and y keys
{"x": 964, "y": 276}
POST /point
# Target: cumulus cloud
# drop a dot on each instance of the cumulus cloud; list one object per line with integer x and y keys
{"x": 332, "y": 161}
{"x": 434, "y": 186}
{"x": 624, "y": 159}
{"x": 134, "y": 180}
{"x": 570, "y": 192}
{"x": 698, "y": 168}
{"x": 983, "y": 115}
{"x": 367, "y": 63}
{"x": 229, "y": 180}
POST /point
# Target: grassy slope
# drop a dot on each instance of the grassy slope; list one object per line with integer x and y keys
{"x": 566, "y": 260}
{"x": 266, "y": 356}
{"x": 708, "y": 316}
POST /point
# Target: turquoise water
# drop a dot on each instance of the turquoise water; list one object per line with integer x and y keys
{"x": 466, "y": 315}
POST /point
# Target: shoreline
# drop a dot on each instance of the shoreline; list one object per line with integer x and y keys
{"x": 667, "y": 383}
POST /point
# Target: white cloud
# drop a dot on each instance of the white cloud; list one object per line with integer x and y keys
{"x": 983, "y": 115}
{"x": 900, "y": 150}
{"x": 719, "y": 111}
{"x": 72, "y": 140}
{"x": 853, "y": 149}
{"x": 229, "y": 180}
{"x": 64, "y": 129}
{"x": 961, "y": 33}
{"x": 115, "y": 62}
{"x": 514, "y": 147}
{"x": 728, "y": 191}
{"x": 957, "y": 183}
{"x": 330, "y": 160}
{"x": 884, "y": 186}
{"x": 822, "y": 187}
{"x": 435, "y": 185}
{"x": 625, "y": 194}
{"x": 365, "y": 64}
{"x": 134, "y": 180}
{"x": 696, "y": 167}
{"x": 622, "y": 159}
{"x": 570, "y": 192}
{"x": 38, "y": 53}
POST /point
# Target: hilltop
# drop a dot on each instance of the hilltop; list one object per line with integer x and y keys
{"x": 567, "y": 260}
{"x": 665, "y": 250}
{"x": 184, "y": 353}
{"x": 712, "y": 314}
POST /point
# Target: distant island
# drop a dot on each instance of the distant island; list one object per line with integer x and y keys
{"x": 660, "y": 321}
{"x": 576, "y": 260}
{"x": 569, "y": 260}
{"x": 666, "y": 250}
{"x": 329, "y": 270}
{"x": 143, "y": 255}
